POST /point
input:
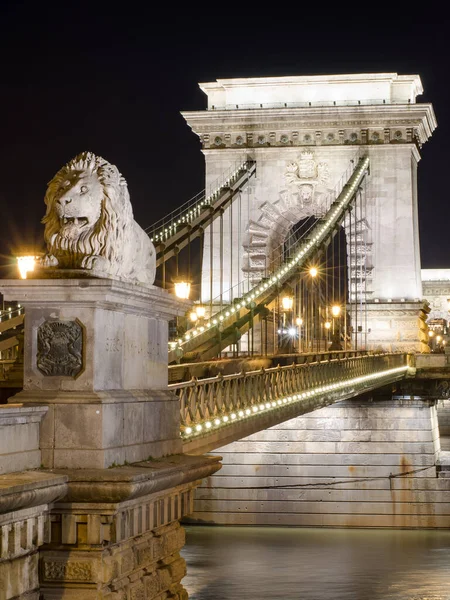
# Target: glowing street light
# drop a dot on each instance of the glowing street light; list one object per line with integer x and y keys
{"x": 193, "y": 316}
{"x": 327, "y": 325}
{"x": 287, "y": 302}
{"x": 182, "y": 289}
{"x": 313, "y": 271}
{"x": 335, "y": 310}
{"x": 201, "y": 311}
{"x": 299, "y": 321}
{"x": 25, "y": 265}
{"x": 431, "y": 333}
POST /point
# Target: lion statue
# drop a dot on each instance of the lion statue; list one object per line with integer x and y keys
{"x": 89, "y": 223}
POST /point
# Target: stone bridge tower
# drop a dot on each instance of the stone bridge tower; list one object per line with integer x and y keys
{"x": 303, "y": 132}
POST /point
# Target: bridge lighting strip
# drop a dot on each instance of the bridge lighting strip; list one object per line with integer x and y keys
{"x": 281, "y": 271}
{"x": 194, "y": 212}
{"x": 189, "y": 432}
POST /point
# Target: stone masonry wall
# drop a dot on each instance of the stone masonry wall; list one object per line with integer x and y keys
{"x": 358, "y": 463}
{"x": 117, "y": 551}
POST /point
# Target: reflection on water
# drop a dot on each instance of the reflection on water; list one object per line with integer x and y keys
{"x": 256, "y": 563}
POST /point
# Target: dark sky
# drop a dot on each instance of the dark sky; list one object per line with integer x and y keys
{"x": 80, "y": 76}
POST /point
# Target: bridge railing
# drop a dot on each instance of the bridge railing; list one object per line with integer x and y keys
{"x": 213, "y": 401}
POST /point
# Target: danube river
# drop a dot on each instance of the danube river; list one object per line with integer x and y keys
{"x": 255, "y": 563}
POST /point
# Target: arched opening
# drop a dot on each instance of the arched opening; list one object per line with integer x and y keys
{"x": 311, "y": 310}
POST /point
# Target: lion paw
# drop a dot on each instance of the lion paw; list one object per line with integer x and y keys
{"x": 94, "y": 262}
{"x": 49, "y": 261}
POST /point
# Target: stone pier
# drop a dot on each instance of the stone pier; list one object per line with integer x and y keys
{"x": 374, "y": 461}
{"x": 92, "y": 480}
{"x": 95, "y": 410}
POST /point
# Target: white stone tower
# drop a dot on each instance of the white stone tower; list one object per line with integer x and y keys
{"x": 303, "y": 132}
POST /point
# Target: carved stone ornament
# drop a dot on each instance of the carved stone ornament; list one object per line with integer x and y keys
{"x": 60, "y": 348}
{"x": 305, "y": 175}
{"x": 71, "y": 571}
{"x": 89, "y": 223}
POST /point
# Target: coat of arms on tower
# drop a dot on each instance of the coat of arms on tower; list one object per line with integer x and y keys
{"x": 304, "y": 176}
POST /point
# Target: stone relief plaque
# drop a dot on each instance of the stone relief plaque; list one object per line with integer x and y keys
{"x": 60, "y": 348}
{"x": 72, "y": 571}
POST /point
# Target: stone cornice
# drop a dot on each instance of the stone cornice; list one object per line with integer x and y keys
{"x": 92, "y": 292}
{"x": 29, "y": 489}
{"x": 140, "y": 479}
{"x": 419, "y": 116}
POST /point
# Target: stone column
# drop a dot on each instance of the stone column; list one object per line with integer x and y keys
{"x": 96, "y": 354}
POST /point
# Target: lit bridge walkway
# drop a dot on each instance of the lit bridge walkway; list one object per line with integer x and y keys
{"x": 219, "y": 410}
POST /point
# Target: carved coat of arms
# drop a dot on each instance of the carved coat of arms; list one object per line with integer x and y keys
{"x": 60, "y": 348}
{"x": 305, "y": 176}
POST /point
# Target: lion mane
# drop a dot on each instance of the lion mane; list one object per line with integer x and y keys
{"x": 114, "y": 245}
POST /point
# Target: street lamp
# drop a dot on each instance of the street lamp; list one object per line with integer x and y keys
{"x": 201, "y": 311}
{"x": 182, "y": 289}
{"x": 335, "y": 310}
{"x": 25, "y": 265}
{"x": 299, "y": 323}
{"x": 313, "y": 271}
{"x": 287, "y": 302}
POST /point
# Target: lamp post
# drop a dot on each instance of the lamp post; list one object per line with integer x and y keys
{"x": 336, "y": 332}
{"x": 327, "y": 326}
{"x": 287, "y": 303}
{"x": 313, "y": 273}
{"x": 299, "y": 323}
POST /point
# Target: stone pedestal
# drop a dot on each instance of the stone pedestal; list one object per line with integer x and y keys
{"x": 96, "y": 355}
{"x": 116, "y": 535}
{"x": 393, "y": 326}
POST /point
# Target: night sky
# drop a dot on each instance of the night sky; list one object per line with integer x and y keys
{"x": 77, "y": 76}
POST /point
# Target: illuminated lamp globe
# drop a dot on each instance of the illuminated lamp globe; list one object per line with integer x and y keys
{"x": 182, "y": 289}
{"x": 313, "y": 271}
{"x": 287, "y": 302}
{"x": 299, "y": 321}
{"x": 335, "y": 311}
{"x": 201, "y": 311}
{"x": 26, "y": 265}
{"x": 327, "y": 325}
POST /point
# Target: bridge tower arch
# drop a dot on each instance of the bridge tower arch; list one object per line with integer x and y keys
{"x": 304, "y": 132}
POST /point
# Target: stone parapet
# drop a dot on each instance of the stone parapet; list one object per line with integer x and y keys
{"x": 24, "y": 527}
{"x": 116, "y": 534}
{"x": 95, "y": 353}
{"x": 19, "y": 437}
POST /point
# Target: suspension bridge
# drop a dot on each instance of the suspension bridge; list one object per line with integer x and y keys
{"x": 295, "y": 354}
{"x": 306, "y": 242}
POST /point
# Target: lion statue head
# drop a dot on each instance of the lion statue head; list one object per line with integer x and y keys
{"x": 89, "y": 223}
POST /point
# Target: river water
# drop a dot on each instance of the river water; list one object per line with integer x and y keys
{"x": 256, "y": 563}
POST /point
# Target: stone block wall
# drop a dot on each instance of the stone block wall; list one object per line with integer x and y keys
{"x": 117, "y": 551}
{"x": 358, "y": 463}
{"x": 443, "y": 411}
{"x": 21, "y": 534}
{"x": 19, "y": 437}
